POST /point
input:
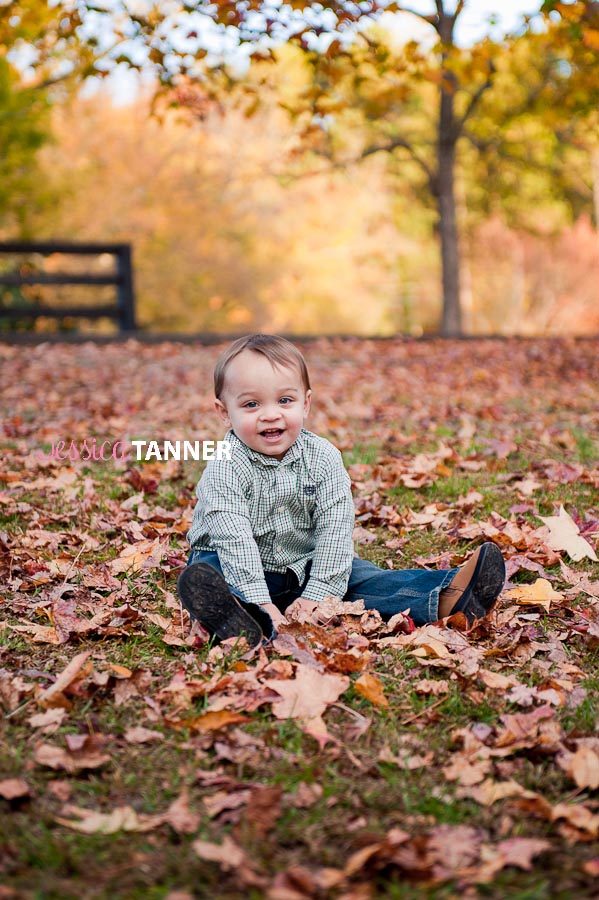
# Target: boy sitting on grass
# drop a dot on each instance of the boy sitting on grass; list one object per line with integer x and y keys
{"x": 273, "y": 524}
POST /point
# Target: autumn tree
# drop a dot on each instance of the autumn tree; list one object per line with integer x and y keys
{"x": 40, "y": 53}
{"x": 413, "y": 103}
{"x": 512, "y": 129}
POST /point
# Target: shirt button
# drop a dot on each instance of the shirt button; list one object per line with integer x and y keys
{"x": 279, "y": 547}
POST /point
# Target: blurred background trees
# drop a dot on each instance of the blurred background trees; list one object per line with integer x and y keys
{"x": 41, "y": 58}
{"x": 364, "y": 185}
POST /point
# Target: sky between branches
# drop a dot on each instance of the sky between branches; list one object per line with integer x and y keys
{"x": 480, "y": 17}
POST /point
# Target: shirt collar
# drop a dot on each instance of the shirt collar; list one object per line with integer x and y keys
{"x": 293, "y": 453}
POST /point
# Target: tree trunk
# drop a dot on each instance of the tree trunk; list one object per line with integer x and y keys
{"x": 451, "y": 321}
{"x": 451, "y": 324}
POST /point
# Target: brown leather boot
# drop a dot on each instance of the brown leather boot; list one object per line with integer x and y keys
{"x": 475, "y": 588}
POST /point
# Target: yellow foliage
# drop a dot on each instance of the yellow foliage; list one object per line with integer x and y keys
{"x": 219, "y": 242}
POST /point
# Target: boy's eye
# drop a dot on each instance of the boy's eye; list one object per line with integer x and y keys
{"x": 251, "y": 404}
{"x": 286, "y": 400}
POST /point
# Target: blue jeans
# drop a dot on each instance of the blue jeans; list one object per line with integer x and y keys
{"x": 387, "y": 590}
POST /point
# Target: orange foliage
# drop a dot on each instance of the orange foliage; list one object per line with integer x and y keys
{"x": 219, "y": 242}
{"x": 223, "y": 241}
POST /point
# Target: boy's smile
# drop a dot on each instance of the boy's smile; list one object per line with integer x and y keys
{"x": 265, "y": 406}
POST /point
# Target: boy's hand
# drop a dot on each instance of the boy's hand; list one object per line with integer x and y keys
{"x": 275, "y": 614}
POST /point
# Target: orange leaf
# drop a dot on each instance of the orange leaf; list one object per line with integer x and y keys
{"x": 370, "y": 686}
{"x": 211, "y": 721}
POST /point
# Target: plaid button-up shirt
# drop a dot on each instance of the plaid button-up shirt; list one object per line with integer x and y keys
{"x": 264, "y": 514}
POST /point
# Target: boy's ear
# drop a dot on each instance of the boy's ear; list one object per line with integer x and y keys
{"x": 221, "y": 411}
{"x": 307, "y": 402}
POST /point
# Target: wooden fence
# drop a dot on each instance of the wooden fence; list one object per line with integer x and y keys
{"x": 26, "y": 273}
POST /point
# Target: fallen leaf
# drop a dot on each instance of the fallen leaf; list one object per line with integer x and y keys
{"x": 75, "y": 669}
{"x": 140, "y": 735}
{"x": 120, "y": 671}
{"x": 64, "y": 616}
{"x": 228, "y": 854}
{"x": 407, "y": 758}
{"x": 358, "y": 860}
{"x": 578, "y": 816}
{"x": 520, "y": 852}
{"x": 496, "y": 679}
{"x": 540, "y": 593}
{"x": 71, "y": 761}
{"x": 580, "y": 581}
{"x": 317, "y": 729}
{"x": 465, "y": 769}
{"x": 144, "y": 554}
{"x": 40, "y": 634}
{"x": 180, "y": 817}
{"x": 454, "y": 847}
{"x": 434, "y": 686}
{"x": 212, "y": 720}
{"x": 527, "y": 486}
{"x": 308, "y": 694}
{"x": 362, "y": 536}
{"x": 583, "y": 767}
{"x": 522, "y": 727}
{"x": 489, "y": 792}
{"x": 564, "y": 534}
{"x": 370, "y": 687}
{"x": 591, "y": 867}
{"x": 14, "y": 789}
{"x": 263, "y": 809}
{"x": 307, "y": 795}
{"x": 122, "y": 818}
{"x": 50, "y": 720}
{"x": 60, "y": 789}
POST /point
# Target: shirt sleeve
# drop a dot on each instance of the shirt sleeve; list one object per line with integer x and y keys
{"x": 333, "y": 529}
{"x": 227, "y": 521}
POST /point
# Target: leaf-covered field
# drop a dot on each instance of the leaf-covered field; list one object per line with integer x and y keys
{"x": 353, "y": 759}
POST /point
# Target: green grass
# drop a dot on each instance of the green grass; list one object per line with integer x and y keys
{"x": 364, "y": 453}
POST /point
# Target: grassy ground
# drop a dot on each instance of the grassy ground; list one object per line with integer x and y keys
{"x": 448, "y": 444}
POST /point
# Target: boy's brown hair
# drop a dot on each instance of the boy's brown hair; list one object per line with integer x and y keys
{"x": 278, "y": 351}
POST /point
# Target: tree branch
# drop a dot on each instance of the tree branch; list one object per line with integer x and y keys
{"x": 396, "y": 143}
{"x": 458, "y": 10}
{"x": 474, "y": 101}
{"x": 344, "y": 164}
{"x": 48, "y": 82}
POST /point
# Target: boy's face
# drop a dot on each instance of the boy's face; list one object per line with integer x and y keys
{"x": 265, "y": 406}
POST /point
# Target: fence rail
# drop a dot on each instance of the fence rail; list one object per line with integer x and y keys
{"x": 122, "y": 311}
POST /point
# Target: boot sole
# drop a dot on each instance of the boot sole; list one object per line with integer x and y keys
{"x": 206, "y": 597}
{"x": 485, "y": 586}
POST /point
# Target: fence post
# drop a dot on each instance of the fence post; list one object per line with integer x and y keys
{"x": 125, "y": 300}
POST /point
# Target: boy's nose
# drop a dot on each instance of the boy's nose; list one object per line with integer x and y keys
{"x": 270, "y": 414}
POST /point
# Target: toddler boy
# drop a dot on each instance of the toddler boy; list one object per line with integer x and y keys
{"x": 273, "y": 524}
